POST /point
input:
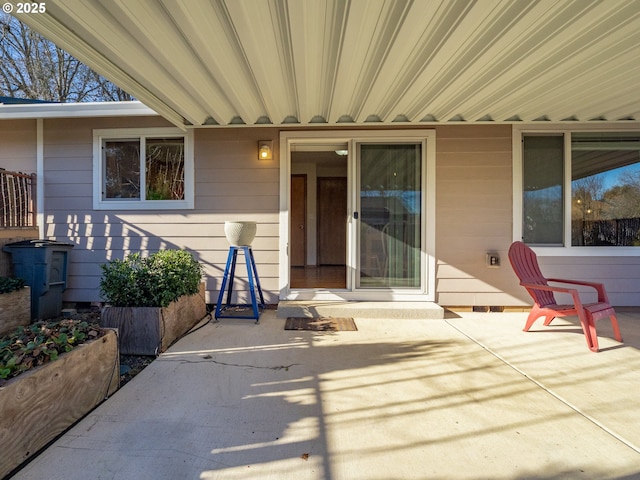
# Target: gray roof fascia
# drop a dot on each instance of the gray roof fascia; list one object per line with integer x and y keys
{"x": 73, "y": 110}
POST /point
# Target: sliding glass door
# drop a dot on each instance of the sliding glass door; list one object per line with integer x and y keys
{"x": 390, "y": 215}
{"x": 386, "y": 218}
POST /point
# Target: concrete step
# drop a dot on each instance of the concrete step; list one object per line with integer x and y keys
{"x": 409, "y": 310}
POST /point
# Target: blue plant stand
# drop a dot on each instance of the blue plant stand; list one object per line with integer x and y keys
{"x": 229, "y": 310}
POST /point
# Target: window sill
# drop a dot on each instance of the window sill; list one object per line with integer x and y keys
{"x": 586, "y": 251}
{"x": 149, "y": 205}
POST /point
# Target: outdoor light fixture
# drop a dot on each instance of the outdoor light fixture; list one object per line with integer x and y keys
{"x": 265, "y": 149}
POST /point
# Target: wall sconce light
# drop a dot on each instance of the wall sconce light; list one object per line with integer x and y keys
{"x": 265, "y": 149}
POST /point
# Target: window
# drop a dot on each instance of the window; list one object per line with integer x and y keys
{"x": 600, "y": 171}
{"x": 605, "y": 189}
{"x": 143, "y": 169}
{"x": 543, "y": 190}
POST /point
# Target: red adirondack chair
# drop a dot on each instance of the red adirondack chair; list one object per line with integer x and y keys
{"x": 525, "y": 265}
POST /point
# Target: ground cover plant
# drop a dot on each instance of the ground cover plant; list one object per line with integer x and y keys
{"x": 42, "y": 342}
{"x": 10, "y": 284}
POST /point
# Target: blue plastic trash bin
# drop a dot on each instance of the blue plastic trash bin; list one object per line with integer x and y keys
{"x": 43, "y": 264}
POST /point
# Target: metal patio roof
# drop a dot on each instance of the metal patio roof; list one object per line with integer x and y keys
{"x": 360, "y": 62}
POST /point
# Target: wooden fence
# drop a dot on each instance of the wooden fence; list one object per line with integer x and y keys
{"x": 17, "y": 199}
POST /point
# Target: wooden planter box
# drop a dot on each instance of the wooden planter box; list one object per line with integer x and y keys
{"x": 40, "y": 404}
{"x": 15, "y": 309}
{"x": 151, "y": 330}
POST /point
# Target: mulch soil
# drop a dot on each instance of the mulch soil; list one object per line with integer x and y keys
{"x": 131, "y": 365}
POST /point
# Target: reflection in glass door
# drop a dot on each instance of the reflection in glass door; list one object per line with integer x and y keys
{"x": 390, "y": 215}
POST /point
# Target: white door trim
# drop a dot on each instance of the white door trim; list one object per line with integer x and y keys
{"x": 290, "y": 138}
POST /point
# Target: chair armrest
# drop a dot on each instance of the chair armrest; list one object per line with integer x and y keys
{"x": 602, "y": 294}
{"x": 549, "y": 288}
{"x": 571, "y": 291}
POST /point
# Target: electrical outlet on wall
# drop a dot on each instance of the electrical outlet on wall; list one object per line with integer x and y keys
{"x": 493, "y": 260}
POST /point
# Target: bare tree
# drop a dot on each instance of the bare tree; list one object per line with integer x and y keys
{"x": 33, "y": 67}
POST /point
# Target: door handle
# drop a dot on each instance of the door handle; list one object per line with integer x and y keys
{"x": 355, "y": 215}
{"x": 301, "y": 226}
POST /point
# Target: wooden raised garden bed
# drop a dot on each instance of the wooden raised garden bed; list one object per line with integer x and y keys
{"x": 40, "y": 404}
{"x": 151, "y": 330}
{"x": 15, "y": 309}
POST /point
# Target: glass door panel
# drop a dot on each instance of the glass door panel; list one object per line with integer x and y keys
{"x": 390, "y": 213}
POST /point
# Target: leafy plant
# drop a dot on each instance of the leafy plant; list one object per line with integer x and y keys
{"x": 153, "y": 281}
{"x": 10, "y": 284}
{"x": 41, "y": 342}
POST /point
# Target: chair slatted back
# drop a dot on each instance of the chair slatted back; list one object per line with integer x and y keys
{"x": 525, "y": 265}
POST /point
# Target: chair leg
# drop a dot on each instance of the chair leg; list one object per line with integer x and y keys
{"x": 594, "y": 338}
{"x": 589, "y": 328}
{"x": 616, "y": 328}
{"x": 536, "y": 313}
{"x": 533, "y": 316}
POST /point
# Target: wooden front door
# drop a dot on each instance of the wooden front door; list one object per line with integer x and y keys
{"x": 298, "y": 247}
{"x": 332, "y": 220}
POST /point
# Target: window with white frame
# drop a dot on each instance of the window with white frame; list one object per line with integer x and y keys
{"x": 143, "y": 169}
{"x": 581, "y": 189}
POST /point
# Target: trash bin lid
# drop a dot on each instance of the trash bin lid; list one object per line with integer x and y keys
{"x": 37, "y": 244}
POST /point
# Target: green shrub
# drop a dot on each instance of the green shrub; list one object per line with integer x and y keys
{"x": 40, "y": 343}
{"x": 153, "y": 281}
{"x": 8, "y": 284}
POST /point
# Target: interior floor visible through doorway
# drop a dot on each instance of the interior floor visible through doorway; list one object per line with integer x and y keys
{"x": 325, "y": 276}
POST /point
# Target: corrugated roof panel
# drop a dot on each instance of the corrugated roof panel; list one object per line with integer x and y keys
{"x": 242, "y": 62}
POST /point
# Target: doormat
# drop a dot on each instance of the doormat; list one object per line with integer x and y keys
{"x": 321, "y": 324}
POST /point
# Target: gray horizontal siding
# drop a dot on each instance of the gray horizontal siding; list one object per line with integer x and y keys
{"x": 620, "y": 275}
{"x": 230, "y": 184}
{"x": 18, "y": 145}
{"x": 474, "y": 216}
{"x": 473, "y": 201}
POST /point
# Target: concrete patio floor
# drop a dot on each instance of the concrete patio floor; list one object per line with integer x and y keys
{"x": 467, "y": 397}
